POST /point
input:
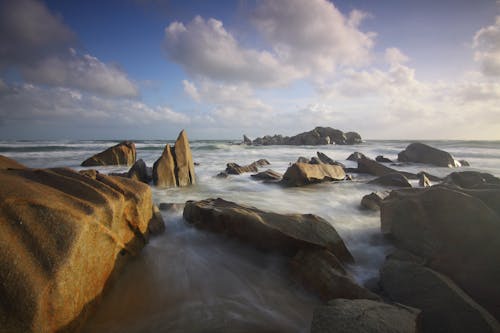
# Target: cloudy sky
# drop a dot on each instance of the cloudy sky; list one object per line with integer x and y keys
{"x": 144, "y": 69}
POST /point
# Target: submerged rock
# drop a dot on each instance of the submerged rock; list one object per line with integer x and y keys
{"x": 120, "y": 154}
{"x": 382, "y": 159}
{"x": 268, "y": 176}
{"x": 364, "y": 316}
{"x": 63, "y": 236}
{"x": 300, "y": 174}
{"x": 236, "y": 169}
{"x": 445, "y": 307}
{"x": 422, "y": 153}
{"x": 456, "y": 231}
{"x": 265, "y": 230}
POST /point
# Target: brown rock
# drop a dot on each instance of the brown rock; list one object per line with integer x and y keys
{"x": 327, "y": 160}
{"x": 392, "y": 179}
{"x": 156, "y": 225}
{"x": 63, "y": 235}
{"x": 120, "y": 154}
{"x": 321, "y": 272}
{"x": 139, "y": 172}
{"x": 236, "y": 169}
{"x": 269, "y": 231}
{"x": 422, "y": 153}
{"x": 8, "y": 163}
{"x": 299, "y": 174}
{"x": 268, "y": 175}
{"x": 457, "y": 232}
{"x": 367, "y": 165}
{"x": 472, "y": 179}
{"x": 355, "y": 156}
{"x": 164, "y": 169}
{"x": 445, "y": 307}
{"x": 373, "y": 200}
{"x": 364, "y": 316}
{"x": 184, "y": 166}
{"x": 382, "y": 159}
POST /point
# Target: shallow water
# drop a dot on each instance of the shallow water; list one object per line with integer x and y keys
{"x": 192, "y": 281}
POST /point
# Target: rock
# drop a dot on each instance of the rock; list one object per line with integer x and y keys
{"x": 184, "y": 166}
{"x": 392, "y": 179}
{"x": 164, "y": 169}
{"x": 353, "y": 138}
{"x": 139, "y": 172}
{"x": 236, "y": 169}
{"x": 91, "y": 173}
{"x": 120, "y": 154}
{"x": 265, "y": 230}
{"x": 364, "y": 316}
{"x": 464, "y": 163}
{"x": 268, "y": 175}
{"x": 246, "y": 140}
{"x": 382, "y": 159}
{"x": 317, "y": 136}
{"x": 303, "y": 159}
{"x": 373, "y": 200}
{"x": 472, "y": 179}
{"x": 367, "y": 165}
{"x": 222, "y": 174}
{"x": 299, "y": 174}
{"x": 457, "y": 232}
{"x": 432, "y": 178}
{"x": 423, "y": 181}
{"x": 315, "y": 160}
{"x": 8, "y": 163}
{"x": 422, "y": 153}
{"x": 445, "y": 307}
{"x": 327, "y": 160}
{"x": 355, "y": 156}
{"x": 166, "y": 206}
{"x": 322, "y": 273}
{"x": 156, "y": 225}
{"x": 63, "y": 237}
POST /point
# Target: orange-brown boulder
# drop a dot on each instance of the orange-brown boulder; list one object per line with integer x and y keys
{"x": 299, "y": 174}
{"x": 184, "y": 167}
{"x": 120, "y": 154}
{"x": 63, "y": 236}
{"x": 164, "y": 169}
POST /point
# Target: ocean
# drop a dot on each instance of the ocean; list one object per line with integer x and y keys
{"x": 188, "y": 280}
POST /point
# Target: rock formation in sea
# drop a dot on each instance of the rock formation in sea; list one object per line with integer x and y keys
{"x": 422, "y": 153}
{"x": 63, "y": 236}
{"x": 120, "y": 154}
{"x": 300, "y": 174}
{"x": 175, "y": 167}
{"x": 317, "y": 136}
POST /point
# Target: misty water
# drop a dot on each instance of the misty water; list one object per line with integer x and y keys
{"x": 188, "y": 280}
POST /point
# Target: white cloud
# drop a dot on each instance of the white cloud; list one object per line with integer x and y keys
{"x": 28, "y": 102}
{"x": 81, "y": 72}
{"x": 191, "y": 90}
{"x": 314, "y": 36}
{"x": 394, "y": 56}
{"x": 486, "y": 43}
{"x": 205, "y": 48}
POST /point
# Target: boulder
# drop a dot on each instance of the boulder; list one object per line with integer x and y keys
{"x": 445, "y": 307}
{"x": 356, "y": 156}
{"x": 8, "y": 163}
{"x": 184, "y": 166}
{"x": 322, "y": 273}
{"x": 268, "y": 176}
{"x": 457, "y": 232}
{"x": 299, "y": 174}
{"x": 423, "y": 181}
{"x": 392, "y": 179}
{"x": 164, "y": 169}
{"x": 283, "y": 233}
{"x": 315, "y": 160}
{"x": 156, "y": 224}
{"x": 336, "y": 136}
{"x": 139, "y": 172}
{"x": 303, "y": 159}
{"x": 63, "y": 237}
{"x": 236, "y": 169}
{"x": 432, "y": 178}
{"x": 382, "y": 159}
{"x": 327, "y": 160}
{"x": 364, "y": 316}
{"x": 373, "y": 200}
{"x": 422, "y": 153}
{"x": 367, "y": 165}
{"x": 222, "y": 174}
{"x": 472, "y": 179}
{"x": 352, "y": 138}
{"x": 464, "y": 163}
{"x": 246, "y": 140}
{"x": 120, "y": 154}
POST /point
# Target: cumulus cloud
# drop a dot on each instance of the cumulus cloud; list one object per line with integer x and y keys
{"x": 306, "y": 39}
{"x": 38, "y": 43}
{"x": 28, "y": 102}
{"x": 29, "y": 31}
{"x": 314, "y": 36}
{"x": 205, "y": 48}
{"x": 486, "y": 44}
{"x": 81, "y": 72}
{"x": 394, "y": 56}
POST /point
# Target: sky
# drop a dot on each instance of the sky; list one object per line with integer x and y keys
{"x": 145, "y": 69}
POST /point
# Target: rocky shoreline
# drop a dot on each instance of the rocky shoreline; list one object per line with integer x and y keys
{"x": 67, "y": 233}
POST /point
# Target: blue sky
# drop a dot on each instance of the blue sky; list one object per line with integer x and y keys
{"x": 148, "y": 68}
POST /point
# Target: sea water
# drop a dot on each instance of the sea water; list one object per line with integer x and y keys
{"x": 188, "y": 280}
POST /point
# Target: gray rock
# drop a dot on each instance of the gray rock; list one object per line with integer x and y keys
{"x": 373, "y": 200}
{"x": 422, "y": 153}
{"x": 392, "y": 179}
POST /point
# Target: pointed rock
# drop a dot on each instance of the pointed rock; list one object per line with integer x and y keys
{"x": 164, "y": 169}
{"x": 184, "y": 161}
